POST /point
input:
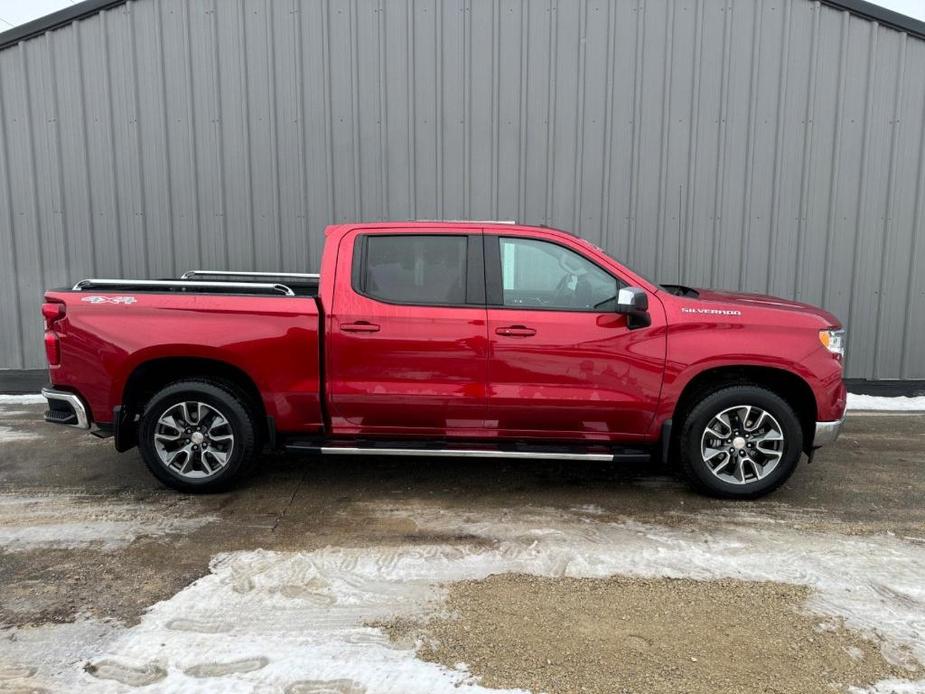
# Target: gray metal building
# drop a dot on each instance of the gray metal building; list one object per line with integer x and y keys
{"x": 768, "y": 145}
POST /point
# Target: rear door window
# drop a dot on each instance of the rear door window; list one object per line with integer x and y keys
{"x": 414, "y": 268}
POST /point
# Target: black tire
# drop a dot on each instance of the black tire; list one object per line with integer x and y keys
{"x": 226, "y": 400}
{"x": 698, "y": 472}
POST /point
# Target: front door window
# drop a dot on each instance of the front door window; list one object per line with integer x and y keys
{"x": 539, "y": 274}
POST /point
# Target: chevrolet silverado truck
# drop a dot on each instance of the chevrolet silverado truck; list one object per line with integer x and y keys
{"x": 447, "y": 339}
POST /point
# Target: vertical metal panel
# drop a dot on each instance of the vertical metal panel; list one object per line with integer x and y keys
{"x": 775, "y": 147}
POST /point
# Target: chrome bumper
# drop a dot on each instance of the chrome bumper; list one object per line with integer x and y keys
{"x": 827, "y": 432}
{"x": 65, "y": 408}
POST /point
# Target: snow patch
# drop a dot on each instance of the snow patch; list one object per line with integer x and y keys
{"x": 879, "y": 403}
{"x": 295, "y": 621}
{"x": 70, "y": 521}
{"x": 29, "y": 399}
{"x": 39, "y": 658}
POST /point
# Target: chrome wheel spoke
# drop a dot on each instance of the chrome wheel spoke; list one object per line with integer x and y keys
{"x": 168, "y": 437}
{"x": 739, "y": 471}
{"x": 742, "y": 444}
{"x": 743, "y": 418}
{"x": 192, "y": 412}
{"x": 170, "y": 422}
{"x": 759, "y": 421}
{"x": 206, "y": 463}
{"x": 175, "y": 457}
{"x": 770, "y": 452}
{"x": 769, "y": 435}
{"x": 215, "y": 429}
{"x": 220, "y": 457}
{"x": 725, "y": 430}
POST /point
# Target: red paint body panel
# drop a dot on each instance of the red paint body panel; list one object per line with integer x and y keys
{"x": 582, "y": 376}
{"x": 274, "y": 340}
{"x": 446, "y": 372}
{"x": 758, "y": 331}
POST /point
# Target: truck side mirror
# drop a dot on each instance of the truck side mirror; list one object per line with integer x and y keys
{"x": 634, "y": 302}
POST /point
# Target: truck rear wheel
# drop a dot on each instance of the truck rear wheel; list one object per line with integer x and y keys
{"x": 740, "y": 442}
{"x": 198, "y": 436}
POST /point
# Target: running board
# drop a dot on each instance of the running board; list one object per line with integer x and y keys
{"x": 621, "y": 455}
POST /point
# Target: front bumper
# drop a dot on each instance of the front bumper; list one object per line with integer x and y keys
{"x": 65, "y": 408}
{"x": 827, "y": 432}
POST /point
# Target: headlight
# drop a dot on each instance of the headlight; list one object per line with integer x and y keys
{"x": 834, "y": 341}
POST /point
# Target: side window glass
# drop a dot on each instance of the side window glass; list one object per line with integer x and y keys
{"x": 539, "y": 274}
{"x": 416, "y": 268}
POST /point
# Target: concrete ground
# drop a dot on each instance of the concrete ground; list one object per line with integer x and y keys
{"x": 334, "y": 575}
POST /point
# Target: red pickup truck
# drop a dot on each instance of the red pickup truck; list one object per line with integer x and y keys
{"x": 446, "y": 339}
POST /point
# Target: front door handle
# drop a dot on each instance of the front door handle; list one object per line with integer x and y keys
{"x": 516, "y": 331}
{"x": 361, "y": 326}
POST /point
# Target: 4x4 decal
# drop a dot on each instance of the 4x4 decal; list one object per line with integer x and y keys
{"x": 109, "y": 299}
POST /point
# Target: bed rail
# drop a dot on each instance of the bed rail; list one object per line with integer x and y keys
{"x": 185, "y": 285}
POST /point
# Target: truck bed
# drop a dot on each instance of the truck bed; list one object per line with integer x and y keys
{"x": 107, "y": 332}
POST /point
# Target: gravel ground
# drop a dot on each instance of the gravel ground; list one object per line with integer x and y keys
{"x": 109, "y": 581}
{"x": 634, "y": 635}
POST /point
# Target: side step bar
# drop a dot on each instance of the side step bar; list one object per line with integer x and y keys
{"x": 622, "y": 455}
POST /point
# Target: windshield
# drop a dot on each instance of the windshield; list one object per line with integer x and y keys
{"x": 676, "y": 289}
{"x": 597, "y": 248}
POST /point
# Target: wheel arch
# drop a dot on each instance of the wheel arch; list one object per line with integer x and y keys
{"x": 150, "y": 376}
{"x": 786, "y": 384}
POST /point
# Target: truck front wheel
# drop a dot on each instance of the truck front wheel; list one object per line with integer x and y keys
{"x": 740, "y": 442}
{"x": 197, "y": 436}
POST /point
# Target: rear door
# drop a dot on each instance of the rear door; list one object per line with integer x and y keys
{"x": 563, "y": 364}
{"x": 407, "y": 346}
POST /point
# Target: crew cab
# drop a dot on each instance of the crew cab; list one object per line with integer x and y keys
{"x": 446, "y": 339}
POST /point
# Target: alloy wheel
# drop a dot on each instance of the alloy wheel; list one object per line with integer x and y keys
{"x": 193, "y": 439}
{"x": 742, "y": 444}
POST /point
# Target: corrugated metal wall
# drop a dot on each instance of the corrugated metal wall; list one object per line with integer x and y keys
{"x": 774, "y": 146}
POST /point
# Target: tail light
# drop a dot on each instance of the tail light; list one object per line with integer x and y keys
{"x": 52, "y": 312}
{"x": 52, "y": 348}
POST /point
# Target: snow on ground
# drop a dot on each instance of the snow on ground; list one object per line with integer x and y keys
{"x": 879, "y": 403}
{"x": 296, "y": 621}
{"x": 29, "y": 522}
{"x": 35, "y": 399}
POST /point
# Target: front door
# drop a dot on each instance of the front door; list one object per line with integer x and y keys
{"x": 408, "y": 347}
{"x": 563, "y": 364}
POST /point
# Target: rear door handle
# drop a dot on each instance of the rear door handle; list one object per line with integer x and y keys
{"x": 515, "y": 331}
{"x": 361, "y": 326}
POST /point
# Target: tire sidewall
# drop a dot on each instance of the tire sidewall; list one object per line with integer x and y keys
{"x": 715, "y": 403}
{"x": 222, "y": 400}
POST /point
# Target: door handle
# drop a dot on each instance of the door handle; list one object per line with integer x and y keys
{"x": 516, "y": 331}
{"x": 361, "y": 326}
